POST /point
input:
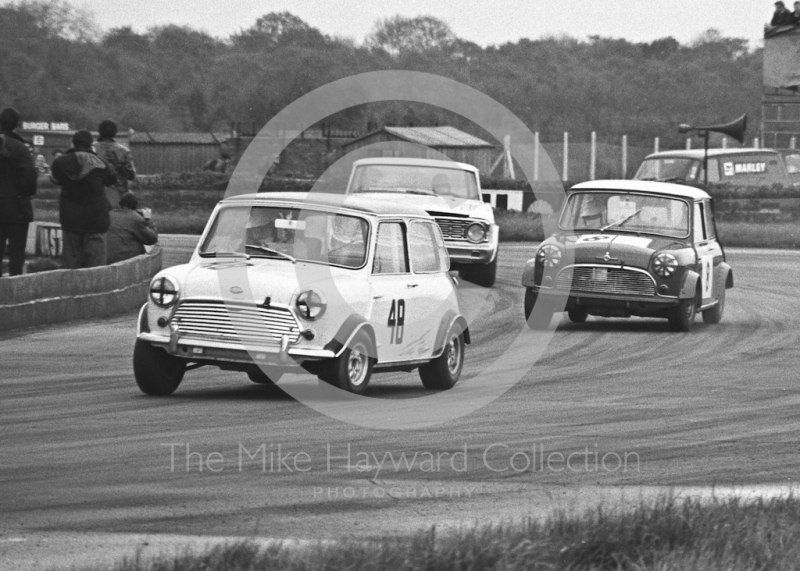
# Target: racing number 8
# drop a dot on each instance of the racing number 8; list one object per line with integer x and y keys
{"x": 397, "y": 319}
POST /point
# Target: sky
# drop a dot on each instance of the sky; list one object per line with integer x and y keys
{"x": 484, "y": 22}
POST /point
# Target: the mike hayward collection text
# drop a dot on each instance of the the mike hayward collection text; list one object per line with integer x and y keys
{"x": 497, "y": 457}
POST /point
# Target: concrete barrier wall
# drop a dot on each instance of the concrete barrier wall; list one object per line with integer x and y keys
{"x": 44, "y": 298}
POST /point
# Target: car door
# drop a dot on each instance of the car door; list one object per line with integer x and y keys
{"x": 395, "y": 313}
{"x": 709, "y": 252}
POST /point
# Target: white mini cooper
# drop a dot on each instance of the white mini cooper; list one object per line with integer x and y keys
{"x": 342, "y": 286}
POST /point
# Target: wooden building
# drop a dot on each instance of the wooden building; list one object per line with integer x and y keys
{"x": 175, "y": 152}
{"x": 429, "y": 142}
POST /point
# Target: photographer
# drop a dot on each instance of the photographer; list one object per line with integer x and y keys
{"x": 131, "y": 230}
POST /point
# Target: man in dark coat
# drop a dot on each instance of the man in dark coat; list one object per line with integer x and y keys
{"x": 130, "y": 231}
{"x": 782, "y": 16}
{"x": 17, "y": 185}
{"x": 83, "y": 207}
{"x": 116, "y": 155}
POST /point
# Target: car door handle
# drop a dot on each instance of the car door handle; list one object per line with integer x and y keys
{"x": 377, "y": 296}
{"x": 412, "y": 285}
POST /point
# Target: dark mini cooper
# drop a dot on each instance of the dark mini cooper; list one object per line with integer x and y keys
{"x": 626, "y": 248}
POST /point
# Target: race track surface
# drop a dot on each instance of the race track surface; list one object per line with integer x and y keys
{"x": 83, "y": 450}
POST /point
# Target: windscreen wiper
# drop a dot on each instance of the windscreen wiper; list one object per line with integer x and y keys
{"x": 271, "y": 251}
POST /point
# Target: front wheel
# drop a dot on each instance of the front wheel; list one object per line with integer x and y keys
{"x": 538, "y": 316}
{"x": 157, "y": 372}
{"x": 681, "y": 317}
{"x": 443, "y": 372}
{"x": 481, "y": 275}
{"x": 713, "y": 315}
{"x": 352, "y": 369}
{"x": 261, "y": 378}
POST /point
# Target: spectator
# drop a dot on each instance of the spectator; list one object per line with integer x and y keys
{"x": 782, "y": 16}
{"x": 83, "y": 207}
{"x": 218, "y": 165}
{"x": 39, "y": 161}
{"x": 17, "y": 185}
{"x": 130, "y": 230}
{"x": 796, "y": 14}
{"x": 116, "y": 155}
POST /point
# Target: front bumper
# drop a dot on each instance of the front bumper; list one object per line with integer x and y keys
{"x": 206, "y": 350}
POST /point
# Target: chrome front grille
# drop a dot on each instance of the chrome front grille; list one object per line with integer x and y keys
{"x": 605, "y": 279}
{"x": 235, "y": 322}
{"x": 453, "y": 228}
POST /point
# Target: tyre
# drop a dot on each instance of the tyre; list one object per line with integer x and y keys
{"x": 352, "y": 370}
{"x": 577, "y": 315}
{"x": 261, "y": 378}
{"x": 681, "y": 317}
{"x": 713, "y": 315}
{"x": 481, "y": 275}
{"x": 537, "y": 316}
{"x": 157, "y": 372}
{"x": 443, "y": 372}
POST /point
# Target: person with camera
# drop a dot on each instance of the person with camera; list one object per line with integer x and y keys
{"x": 130, "y": 231}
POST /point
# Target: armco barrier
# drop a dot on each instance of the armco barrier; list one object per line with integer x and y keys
{"x": 43, "y": 298}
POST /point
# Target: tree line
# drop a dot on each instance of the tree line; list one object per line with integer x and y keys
{"x": 56, "y": 64}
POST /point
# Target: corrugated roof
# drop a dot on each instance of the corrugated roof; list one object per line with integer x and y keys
{"x": 432, "y": 137}
{"x": 178, "y": 138}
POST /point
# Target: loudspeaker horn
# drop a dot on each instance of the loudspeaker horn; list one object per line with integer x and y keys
{"x": 733, "y": 129}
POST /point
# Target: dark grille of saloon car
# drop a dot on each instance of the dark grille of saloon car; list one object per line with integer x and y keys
{"x": 455, "y": 228}
{"x": 254, "y": 325}
{"x": 618, "y": 281}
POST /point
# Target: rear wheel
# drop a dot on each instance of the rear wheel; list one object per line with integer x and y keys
{"x": 538, "y": 316}
{"x": 713, "y": 315}
{"x": 681, "y": 317}
{"x": 443, "y": 372}
{"x": 157, "y": 372}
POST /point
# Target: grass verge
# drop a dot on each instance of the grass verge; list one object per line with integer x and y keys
{"x": 668, "y": 534}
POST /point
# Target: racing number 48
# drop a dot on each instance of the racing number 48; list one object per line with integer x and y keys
{"x": 397, "y": 319}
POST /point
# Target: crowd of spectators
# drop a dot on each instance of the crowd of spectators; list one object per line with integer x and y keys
{"x": 784, "y": 17}
{"x": 100, "y": 219}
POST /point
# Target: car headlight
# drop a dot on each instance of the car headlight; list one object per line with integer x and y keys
{"x": 164, "y": 291}
{"x": 476, "y": 232}
{"x": 665, "y": 265}
{"x": 310, "y": 304}
{"x": 549, "y": 256}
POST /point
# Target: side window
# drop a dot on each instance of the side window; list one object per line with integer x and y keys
{"x": 390, "y": 251}
{"x": 711, "y": 229}
{"x": 427, "y": 255}
{"x": 699, "y": 223}
{"x": 713, "y": 170}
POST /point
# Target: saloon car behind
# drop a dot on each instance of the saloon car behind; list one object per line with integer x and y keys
{"x": 285, "y": 279}
{"x": 630, "y": 248}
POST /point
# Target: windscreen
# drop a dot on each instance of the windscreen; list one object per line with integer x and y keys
{"x": 414, "y": 179}
{"x": 669, "y": 169}
{"x": 288, "y": 233}
{"x": 626, "y": 212}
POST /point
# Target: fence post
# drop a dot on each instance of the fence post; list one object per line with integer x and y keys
{"x": 755, "y": 143}
{"x": 724, "y": 142}
{"x": 536, "y": 155}
{"x": 793, "y": 143}
{"x": 656, "y": 145}
{"x": 565, "y": 171}
{"x": 688, "y": 144}
{"x": 593, "y": 157}
{"x": 624, "y": 156}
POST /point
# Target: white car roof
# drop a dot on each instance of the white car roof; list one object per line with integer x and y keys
{"x": 667, "y": 188}
{"x": 698, "y": 153}
{"x": 371, "y": 204}
{"x": 416, "y": 163}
